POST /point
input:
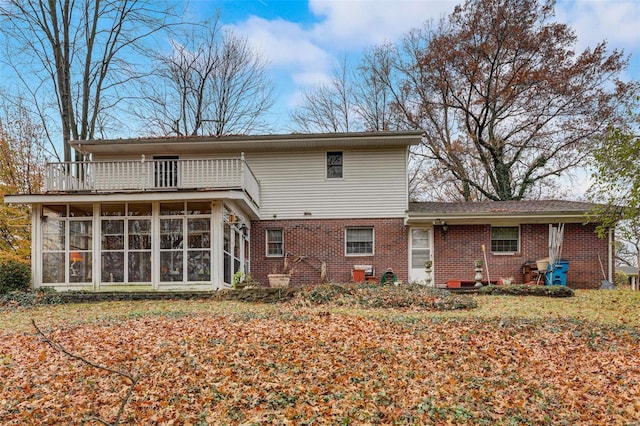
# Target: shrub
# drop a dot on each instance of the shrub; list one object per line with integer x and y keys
{"x": 14, "y": 276}
{"x": 374, "y": 296}
{"x": 621, "y": 279}
{"x": 527, "y": 290}
{"x": 321, "y": 294}
{"x": 26, "y": 299}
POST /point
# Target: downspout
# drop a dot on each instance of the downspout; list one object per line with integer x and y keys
{"x": 610, "y": 255}
{"x": 36, "y": 244}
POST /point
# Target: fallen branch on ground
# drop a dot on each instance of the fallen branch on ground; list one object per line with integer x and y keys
{"x": 133, "y": 379}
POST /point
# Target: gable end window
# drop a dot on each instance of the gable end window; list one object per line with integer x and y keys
{"x": 359, "y": 241}
{"x": 275, "y": 243}
{"x": 505, "y": 239}
{"x": 334, "y": 165}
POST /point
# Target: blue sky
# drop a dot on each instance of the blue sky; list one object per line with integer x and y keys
{"x": 304, "y": 40}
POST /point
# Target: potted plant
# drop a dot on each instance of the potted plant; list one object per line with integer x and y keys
{"x": 279, "y": 280}
{"x": 282, "y": 277}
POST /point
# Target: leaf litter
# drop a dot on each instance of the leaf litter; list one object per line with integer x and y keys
{"x": 308, "y": 366}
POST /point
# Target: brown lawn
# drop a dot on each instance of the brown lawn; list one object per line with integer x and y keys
{"x": 513, "y": 361}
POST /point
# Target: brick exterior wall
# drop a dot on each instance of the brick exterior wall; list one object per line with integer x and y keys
{"x": 323, "y": 240}
{"x": 455, "y": 252}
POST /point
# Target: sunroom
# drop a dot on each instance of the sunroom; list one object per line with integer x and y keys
{"x": 137, "y": 224}
{"x": 140, "y": 245}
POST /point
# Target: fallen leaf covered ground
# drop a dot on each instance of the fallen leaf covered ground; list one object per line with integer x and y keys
{"x": 312, "y": 366}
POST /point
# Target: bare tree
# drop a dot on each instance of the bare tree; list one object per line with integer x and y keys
{"x": 505, "y": 103}
{"x": 628, "y": 243}
{"x": 22, "y": 154}
{"x": 212, "y": 82}
{"x": 75, "y": 57}
{"x": 329, "y": 107}
{"x": 374, "y": 85}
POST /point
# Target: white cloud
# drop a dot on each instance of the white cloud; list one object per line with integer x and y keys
{"x": 283, "y": 43}
{"x": 308, "y": 54}
{"x": 596, "y": 20}
{"x": 304, "y": 54}
{"x": 298, "y": 61}
{"x": 311, "y": 78}
{"x": 357, "y": 24}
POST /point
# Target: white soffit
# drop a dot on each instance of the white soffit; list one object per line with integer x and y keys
{"x": 264, "y": 143}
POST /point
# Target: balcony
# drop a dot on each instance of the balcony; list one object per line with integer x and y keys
{"x": 152, "y": 175}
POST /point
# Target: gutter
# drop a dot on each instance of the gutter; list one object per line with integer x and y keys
{"x": 484, "y": 218}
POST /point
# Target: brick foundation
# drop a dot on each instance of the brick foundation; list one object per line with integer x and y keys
{"x": 323, "y": 240}
{"x": 455, "y": 252}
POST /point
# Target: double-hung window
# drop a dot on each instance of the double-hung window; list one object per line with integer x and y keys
{"x": 505, "y": 239}
{"x": 334, "y": 165}
{"x": 275, "y": 243}
{"x": 359, "y": 241}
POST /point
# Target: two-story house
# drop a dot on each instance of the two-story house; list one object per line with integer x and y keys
{"x": 188, "y": 213}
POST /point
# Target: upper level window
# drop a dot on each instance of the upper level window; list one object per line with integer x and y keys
{"x": 275, "y": 242}
{"x": 505, "y": 239}
{"x": 334, "y": 164}
{"x": 359, "y": 241}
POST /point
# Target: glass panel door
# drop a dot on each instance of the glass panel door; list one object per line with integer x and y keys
{"x": 185, "y": 242}
{"x": 53, "y": 247}
{"x": 198, "y": 252}
{"x": 80, "y": 254}
{"x": 420, "y": 252}
{"x": 171, "y": 252}
{"x": 139, "y": 254}
{"x": 112, "y": 244}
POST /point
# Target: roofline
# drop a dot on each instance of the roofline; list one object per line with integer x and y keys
{"x": 53, "y": 198}
{"x": 485, "y": 218}
{"x": 63, "y": 198}
{"x": 248, "y": 143}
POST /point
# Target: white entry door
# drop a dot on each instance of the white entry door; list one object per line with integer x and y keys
{"x": 419, "y": 252}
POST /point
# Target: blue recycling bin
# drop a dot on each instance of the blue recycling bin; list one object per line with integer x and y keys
{"x": 557, "y": 276}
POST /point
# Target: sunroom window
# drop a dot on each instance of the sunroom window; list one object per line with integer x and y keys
{"x": 126, "y": 243}
{"x": 67, "y": 238}
{"x": 190, "y": 221}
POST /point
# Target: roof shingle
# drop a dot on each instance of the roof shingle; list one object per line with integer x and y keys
{"x": 502, "y": 207}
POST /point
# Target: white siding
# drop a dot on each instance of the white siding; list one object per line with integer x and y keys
{"x": 374, "y": 184}
{"x": 293, "y": 183}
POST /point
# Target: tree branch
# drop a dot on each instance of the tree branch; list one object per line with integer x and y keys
{"x": 133, "y": 379}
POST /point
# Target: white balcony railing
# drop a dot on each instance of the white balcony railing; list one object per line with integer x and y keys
{"x": 151, "y": 175}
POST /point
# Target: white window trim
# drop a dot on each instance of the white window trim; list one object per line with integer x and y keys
{"x": 373, "y": 242}
{"x": 506, "y": 253}
{"x": 266, "y": 242}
